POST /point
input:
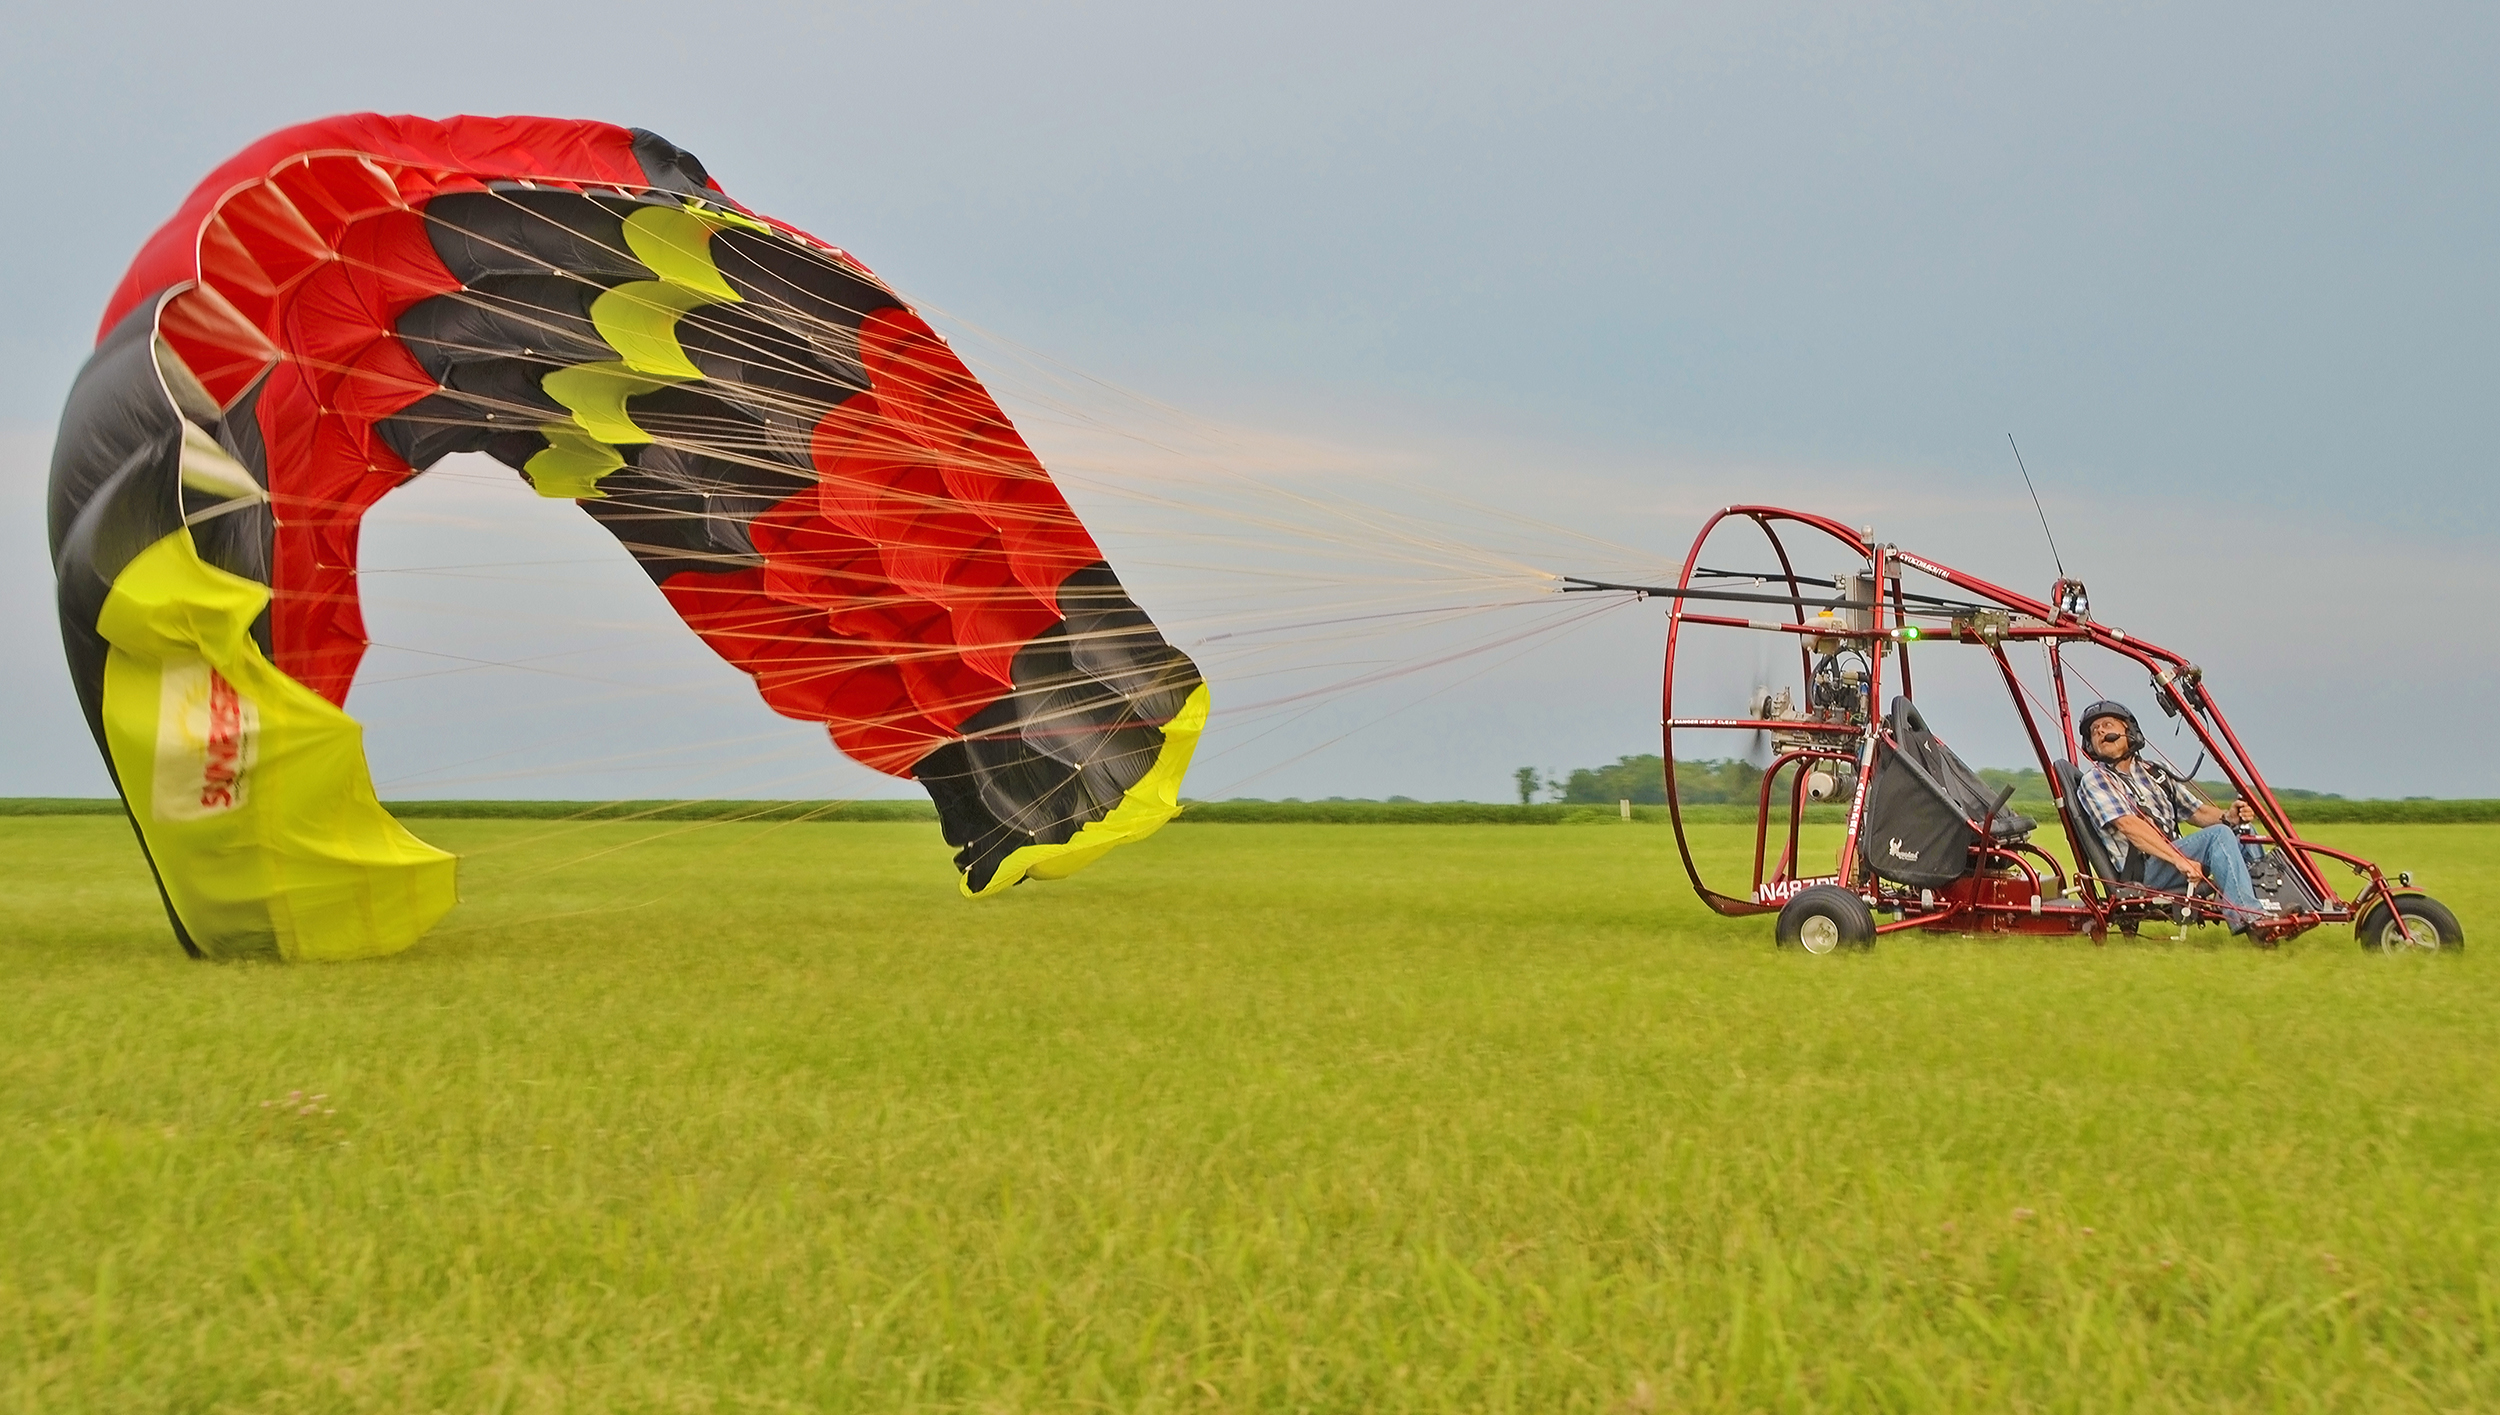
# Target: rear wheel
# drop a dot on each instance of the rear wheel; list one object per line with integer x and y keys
{"x": 1826, "y": 919}
{"x": 2420, "y": 924}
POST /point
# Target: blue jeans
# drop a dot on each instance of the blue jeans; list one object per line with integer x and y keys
{"x": 2217, "y": 848}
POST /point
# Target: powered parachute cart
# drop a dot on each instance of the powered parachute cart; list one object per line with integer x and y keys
{"x": 1927, "y": 844}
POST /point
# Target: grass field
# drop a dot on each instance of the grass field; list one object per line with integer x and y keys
{"x": 758, "y": 1118}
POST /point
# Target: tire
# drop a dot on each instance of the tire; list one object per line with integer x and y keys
{"x": 2428, "y": 927}
{"x": 1826, "y": 919}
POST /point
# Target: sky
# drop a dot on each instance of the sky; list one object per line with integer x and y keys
{"x": 2226, "y": 271}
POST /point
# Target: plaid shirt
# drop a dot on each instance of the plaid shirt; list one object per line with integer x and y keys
{"x": 2110, "y": 794}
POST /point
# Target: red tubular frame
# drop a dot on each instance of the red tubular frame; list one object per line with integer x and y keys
{"x": 1979, "y": 901}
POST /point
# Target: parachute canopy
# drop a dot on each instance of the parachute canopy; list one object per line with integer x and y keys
{"x": 808, "y": 473}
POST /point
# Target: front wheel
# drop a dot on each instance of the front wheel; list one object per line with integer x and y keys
{"x": 1826, "y": 919}
{"x": 2420, "y": 923}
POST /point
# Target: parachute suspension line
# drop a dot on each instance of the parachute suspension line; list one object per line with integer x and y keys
{"x": 776, "y": 356}
{"x": 738, "y": 806}
{"x": 1294, "y": 707}
{"x": 814, "y": 814}
{"x": 1245, "y": 633}
{"x": 1052, "y": 369}
{"x": 1240, "y": 714}
{"x": 1564, "y": 620}
{"x": 581, "y": 822}
{"x": 1568, "y": 627}
{"x": 771, "y": 355}
{"x": 1253, "y": 618}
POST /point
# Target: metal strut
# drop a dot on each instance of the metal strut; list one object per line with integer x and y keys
{"x": 1573, "y": 584}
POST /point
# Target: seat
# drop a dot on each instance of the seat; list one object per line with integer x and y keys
{"x": 2124, "y": 889}
{"x": 1961, "y": 785}
{"x": 2096, "y": 853}
{"x": 1926, "y": 809}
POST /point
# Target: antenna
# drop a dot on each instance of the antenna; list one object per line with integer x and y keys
{"x": 2035, "y": 505}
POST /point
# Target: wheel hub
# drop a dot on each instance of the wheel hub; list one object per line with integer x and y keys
{"x": 2408, "y": 931}
{"x": 1818, "y": 935}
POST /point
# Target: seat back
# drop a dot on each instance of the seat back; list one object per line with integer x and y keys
{"x": 1913, "y": 832}
{"x": 1961, "y": 785}
{"x": 2096, "y": 855}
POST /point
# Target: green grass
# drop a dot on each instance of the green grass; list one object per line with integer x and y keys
{"x": 764, "y": 1118}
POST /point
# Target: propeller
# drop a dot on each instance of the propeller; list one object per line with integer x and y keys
{"x": 1758, "y": 705}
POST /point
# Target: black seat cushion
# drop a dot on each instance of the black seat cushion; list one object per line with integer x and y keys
{"x": 1962, "y": 786}
{"x": 1925, "y": 808}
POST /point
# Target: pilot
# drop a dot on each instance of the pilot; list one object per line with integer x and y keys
{"x": 2137, "y": 807}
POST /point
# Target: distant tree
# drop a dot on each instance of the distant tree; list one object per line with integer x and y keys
{"x": 1642, "y": 780}
{"x": 1729, "y": 780}
{"x": 2028, "y": 783}
{"x": 1529, "y": 784}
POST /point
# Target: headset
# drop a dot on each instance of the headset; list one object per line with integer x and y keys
{"x": 2106, "y": 708}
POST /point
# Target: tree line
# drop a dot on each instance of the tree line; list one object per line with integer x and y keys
{"x": 1642, "y": 780}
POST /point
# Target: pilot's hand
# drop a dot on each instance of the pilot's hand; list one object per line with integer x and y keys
{"x": 2194, "y": 871}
